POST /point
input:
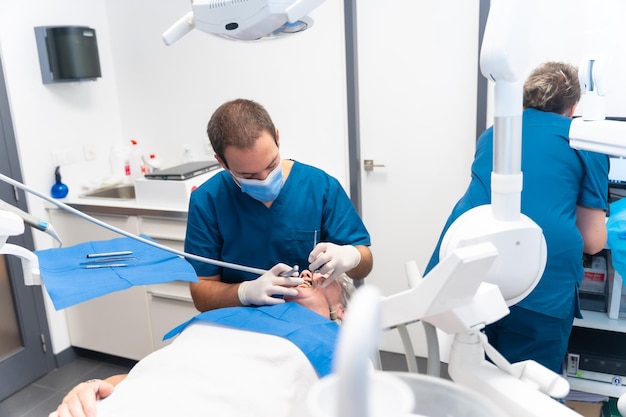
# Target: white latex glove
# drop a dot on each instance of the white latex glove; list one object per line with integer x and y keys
{"x": 260, "y": 291}
{"x": 329, "y": 258}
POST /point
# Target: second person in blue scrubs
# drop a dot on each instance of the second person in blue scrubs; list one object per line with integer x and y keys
{"x": 266, "y": 212}
{"x": 565, "y": 192}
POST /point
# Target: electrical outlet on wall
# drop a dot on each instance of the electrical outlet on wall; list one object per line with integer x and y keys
{"x": 67, "y": 156}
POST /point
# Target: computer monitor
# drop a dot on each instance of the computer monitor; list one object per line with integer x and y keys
{"x": 617, "y": 172}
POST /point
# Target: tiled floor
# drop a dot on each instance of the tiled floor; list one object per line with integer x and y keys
{"x": 390, "y": 361}
{"x": 44, "y": 395}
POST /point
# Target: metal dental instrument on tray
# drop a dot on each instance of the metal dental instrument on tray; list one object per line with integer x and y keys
{"x": 108, "y": 260}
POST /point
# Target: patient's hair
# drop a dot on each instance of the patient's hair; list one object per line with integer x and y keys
{"x": 238, "y": 123}
{"x": 347, "y": 287}
{"x": 552, "y": 87}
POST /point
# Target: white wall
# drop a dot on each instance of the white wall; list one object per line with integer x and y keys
{"x": 60, "y": 116}
{"x": 169, "y": 92}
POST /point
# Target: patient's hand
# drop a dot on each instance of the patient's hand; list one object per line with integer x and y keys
{"x": 81, "y": 400}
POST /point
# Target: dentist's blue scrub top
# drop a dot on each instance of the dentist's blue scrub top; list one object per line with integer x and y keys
{"x": 556, "y": 179}
{"x": 228, "y": 225}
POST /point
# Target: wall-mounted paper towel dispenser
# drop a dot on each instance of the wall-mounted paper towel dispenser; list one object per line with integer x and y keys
{"x": 67, "y": 53}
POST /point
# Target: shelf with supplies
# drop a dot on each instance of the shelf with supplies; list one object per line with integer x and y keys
{"x": 601, "y": 296}
{"x": 596, "y": 358}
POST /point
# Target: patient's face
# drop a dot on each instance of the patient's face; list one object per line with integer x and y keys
{"x": 311, "y": 295}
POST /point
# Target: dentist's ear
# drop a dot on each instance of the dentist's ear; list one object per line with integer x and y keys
{"x": 221, "y": 162}
{"x": 570, "y": 112}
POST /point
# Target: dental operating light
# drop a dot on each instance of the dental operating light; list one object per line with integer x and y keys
{"x": 244, "y": 20}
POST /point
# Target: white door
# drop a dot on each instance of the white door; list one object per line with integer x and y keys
{"x": 417, "y": 84}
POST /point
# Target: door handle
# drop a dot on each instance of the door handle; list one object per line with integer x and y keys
{"x": 369, "y": 165}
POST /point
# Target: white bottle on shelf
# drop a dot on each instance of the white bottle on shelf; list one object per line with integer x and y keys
{"x": 152, "y": 163}
{"x": 118, "y": 160}
{"x": 135, "y": 161}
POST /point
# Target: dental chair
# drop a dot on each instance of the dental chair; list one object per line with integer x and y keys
{"x": 433, "y": 359}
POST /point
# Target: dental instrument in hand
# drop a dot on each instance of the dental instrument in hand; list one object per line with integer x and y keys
{"x": 333, "y": 259}
{"x": 270, "y": 288}
{"x": 289, "y": 273}
{"x": 314, "y": 245}
{"x": 107, "y": 226}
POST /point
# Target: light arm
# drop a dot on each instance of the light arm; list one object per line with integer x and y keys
{"x": 183, "y": 26}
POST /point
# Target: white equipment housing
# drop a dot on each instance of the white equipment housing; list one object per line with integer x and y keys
{"x": 247, "y": 20}
{"x": 12, "y": 225}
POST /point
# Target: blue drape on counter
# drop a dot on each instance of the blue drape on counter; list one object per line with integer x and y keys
{"x": 71, "y": 278}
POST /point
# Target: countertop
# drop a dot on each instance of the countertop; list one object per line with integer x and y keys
{"x": 159, "y": 198}
{"x": 117, "y": 206}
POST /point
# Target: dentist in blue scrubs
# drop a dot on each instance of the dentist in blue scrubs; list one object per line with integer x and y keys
{"x": 565, "y": 192}
{"x": 266, "y": 212}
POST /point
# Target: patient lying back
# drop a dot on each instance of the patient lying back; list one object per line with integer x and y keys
{"x": 217, "y": 369}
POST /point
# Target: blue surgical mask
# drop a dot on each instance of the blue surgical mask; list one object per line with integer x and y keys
{"x": 264, "y": 190}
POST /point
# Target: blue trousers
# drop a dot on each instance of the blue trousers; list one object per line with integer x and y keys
{"x": 525, "y": 334}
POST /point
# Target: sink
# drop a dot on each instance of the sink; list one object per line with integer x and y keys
{"x": 118, "y": 192}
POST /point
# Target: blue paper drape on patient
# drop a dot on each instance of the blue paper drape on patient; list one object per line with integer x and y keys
{"x": 69, "y": 283}
{"x": 315, "y": 335}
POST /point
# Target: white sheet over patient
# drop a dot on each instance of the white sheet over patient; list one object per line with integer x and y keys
{"x": 211, "y": 370}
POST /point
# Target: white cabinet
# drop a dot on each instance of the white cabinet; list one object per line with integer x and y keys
{"x": 128, "y": 323}
{"x": 170, "y": 305}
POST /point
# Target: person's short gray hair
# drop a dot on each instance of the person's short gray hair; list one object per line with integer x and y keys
{"x": 347, "y": 288}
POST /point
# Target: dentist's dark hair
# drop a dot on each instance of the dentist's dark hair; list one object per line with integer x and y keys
{"x": 238, "y": 123}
